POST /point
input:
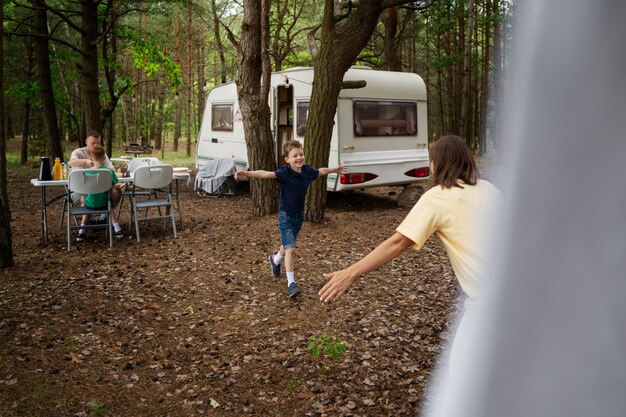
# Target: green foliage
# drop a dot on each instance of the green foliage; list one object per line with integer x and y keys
{"x": 327, "y": 345}
{"x": 22, "y": 91}
{"x": 445, "y": 61}
{"x": 298, "y": 59}
{"x": 148, "y": 56}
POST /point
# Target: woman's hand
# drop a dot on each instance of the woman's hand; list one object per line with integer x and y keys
{"x": 340, "y": 281}
{"x": 338, "y": 284}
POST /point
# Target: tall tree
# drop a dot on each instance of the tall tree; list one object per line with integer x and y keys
{"x": 6, "y": 247}
{"x": 27, "y": 103}
{"x": 189, "y": 81}
{"x": 178, "y": 105}
{"x": 254, "y": 71}
{"x": 390, "y": 21}
{"x": 89, "y": 67}
{"x": 465, "y": 85}
{"x": 218, "y": 41}
{"x": 343, "y": 36}
{"x": 48, "y": 105}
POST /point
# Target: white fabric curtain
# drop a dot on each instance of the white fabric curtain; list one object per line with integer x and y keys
{"x": 552, "y": 337}
{"x": 411, "y": 126}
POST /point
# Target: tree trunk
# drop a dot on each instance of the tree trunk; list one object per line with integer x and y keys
{"x": 51, "y": 127}
{"x": 484, "y": 98}
{"x": 158, "y": 125}
{"x": 8, "y": 122}
{"x": 25, "y": 132}
{"x": 465, "y": 86}
{"x": 497, "y": 76}
{"x": 6, "y": 246}
{"x": 189, "y": 100}
{"x": 390, "y": 21}
{"x": 201, "y": 87}
{"x": 340, "y": 45}
{"x": 218, "y": 42}
{"x": 110, "y": 73}
{"x": 89, "y": 65}
{"x": 177, "y": 98}
{"x": 30, "y": 71}
{"x": 254, "y": 108}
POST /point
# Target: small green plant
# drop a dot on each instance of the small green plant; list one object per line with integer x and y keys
{"x": 291, "y": 385}
{"x": 326, "y": 344}
{"x": 41, "y": 394}
{"x": 69, "y": 341}
{"x": 51, "y": 333}
{"x": 97, "y": 409}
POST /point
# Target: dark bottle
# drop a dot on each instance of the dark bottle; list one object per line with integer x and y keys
{"x": 45, "y": 173}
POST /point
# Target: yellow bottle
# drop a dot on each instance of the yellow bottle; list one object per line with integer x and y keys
{"x": 58, "y": 171}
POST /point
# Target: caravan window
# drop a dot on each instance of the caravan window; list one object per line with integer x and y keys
{"x": 385, "y": 118}
{"x": 222, "y": 117}
{"x": 302, "y": 112}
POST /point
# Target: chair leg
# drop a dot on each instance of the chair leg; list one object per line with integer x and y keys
{"x": 132, "y": 213}
{"x": 69, "y": 230}
{"x": 173, "y": 223}
{"x": 110, "y": 224}
{"x": 119, "y": 206}
{"x": 63, "y": 212}
{"x": 136, "y": 223}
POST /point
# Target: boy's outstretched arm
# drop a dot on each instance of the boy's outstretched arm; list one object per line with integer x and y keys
{"x": 264, "y": 175}
{"x": 338, "y": 169}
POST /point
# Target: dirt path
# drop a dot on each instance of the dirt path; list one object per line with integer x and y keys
{"x": 198, "y": 326}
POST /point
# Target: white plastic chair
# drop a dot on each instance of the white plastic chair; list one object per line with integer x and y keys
{"x": 88, "y": 181}
{"x": 152, "y": 178}
{"x": 137, "y": 162}
{"x": 133, "y": 164}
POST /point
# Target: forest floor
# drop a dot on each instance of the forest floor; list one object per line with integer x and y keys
{"x": 199, "y": 326}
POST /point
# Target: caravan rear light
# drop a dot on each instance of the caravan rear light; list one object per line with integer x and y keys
{"x": 357, "y": 177}
{"x": 417, "y": 172}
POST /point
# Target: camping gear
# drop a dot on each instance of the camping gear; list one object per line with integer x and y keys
{"x": 45, "y": 171}
{"x": 215, "y": 178}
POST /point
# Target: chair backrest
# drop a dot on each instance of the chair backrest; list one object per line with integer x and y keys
{"x": 151, "y": 160}
{"x": 153, "y": 176}
{"x": 90, "y": 181}
{"x": 136, "y": 163}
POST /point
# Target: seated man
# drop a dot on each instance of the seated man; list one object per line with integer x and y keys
{"x": 81, "y": 158}
{"x": 99, "y": 201}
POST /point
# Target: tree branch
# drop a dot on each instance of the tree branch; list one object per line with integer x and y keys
{"x": 312, "y": 42}
{"x": 422, "y": 4}
{"x": 349, "y": 85}
{"x": 230, "y": 35}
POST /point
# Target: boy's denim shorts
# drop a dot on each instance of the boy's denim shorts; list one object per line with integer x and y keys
{"x": 289, "y": 225}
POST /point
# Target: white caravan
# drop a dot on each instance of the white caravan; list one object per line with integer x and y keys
{"x": 380, "y": 131}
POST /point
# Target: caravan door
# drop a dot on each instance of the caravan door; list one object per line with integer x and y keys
{"x": 284, "y": 119}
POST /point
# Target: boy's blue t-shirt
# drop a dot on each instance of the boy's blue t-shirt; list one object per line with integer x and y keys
{"x": 99, "y": 200}
{"x": 293, "y": 186}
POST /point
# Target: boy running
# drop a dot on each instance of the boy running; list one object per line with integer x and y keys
{"x": 293, "y": 180}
